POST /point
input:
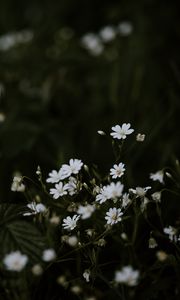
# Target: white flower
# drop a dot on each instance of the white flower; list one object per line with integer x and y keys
{"x": 72, "y": 186}
{"x": 86, "y": 211}
{"x": 59, "y": 191}
{"x": 140, "y": 137}
{"x": 171, "y": 231}
{"x": 103, "y": 195}
{"x": 113, "y": 216}
{"x": 12, "y": 39}
{"x": 117, "y": 170}
{"x": 92, "y": 43}
{"x": 120, "y": 132}
{"x": 158, "y": 176}
{"x": 17, "y": 185}
{"x": 125, "y": 28}
{"x": 15, "y": 261}
{"x": 35, "y": 208}
{"x": 139, "y": 191}
{"x": 86, "y": 275}
{"x": 74, "y": 167}
{"x": 70, "y": 223}
{"x": 156, "y": 196}
{"x": 107, "y": 33}
{"x": 115, "y": 190}
{"x": 72, "y": 240}
{"x": 48, "y": 255}
{"x": 2, "y": 115}
{"x": 125, "y": 200}
{"x": 127, "y": 276}
{"x": 54, "y": 177}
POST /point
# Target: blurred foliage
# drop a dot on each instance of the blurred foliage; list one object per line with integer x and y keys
{"x": 55, "y": 95}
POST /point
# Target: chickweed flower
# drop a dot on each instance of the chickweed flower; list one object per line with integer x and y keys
{"x": 48, "y": 255}
{"x": 125, "y": 200}
{"x": 37, "y": 270}
{"x": 140, "y": 137}
{"x": 171, "y": 232}
{"x": 86, "y": 211}
{"x": 113, "y": 216}
{"x": 87, "y": 274}
{"x": 70, "y": 223}
{"x": 74, "y": 167}
{"x": 35, "y": 208}
{"x": 103, "y": 196}
{"x": 120, "y": 132}
{"x": 15, "y": 261}
{"x": 156, "y": 196}
{"x": 54, "y": 177}
{"x": 107, "y": 34}
{"x": 158, "y": 176}
{"x": 92, "y": 43}
{"x": 117, "y": 170}
{"x": 115, "y": 190}
{"x": 72, "y": 186}
{"x": 17, "y": 184}
{"x": 127, "y": 276}
{"x": 59, "y": 191}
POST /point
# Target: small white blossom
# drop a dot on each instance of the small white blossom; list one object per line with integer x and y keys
{"x": 35, "y": 208}
{"x": 125, "y": 200}
{"x": 107, "y": 34}
{"x": 15, "y": 261}
{"x": 70, "y": 223}
{"x": 158, "y": 176}
{"x": 59, "y": 191}
{"x": 117, "y": 170}
{"x": 113, "y": 216}
{"x": 120, "y": 132}
{"x": 103, "y": 196}
{"x": 127, "y": 276}
{"x": 125, "y": 28}
{"x": 49, "y": 255}
{"x": 72, "y": 186}
{"x": 161, "y": 255}
{"x": 54, "y": 177}
{"x": 72, "y": 240}
{"x": 12, "y": 39}
{"x": 55, "y": 220}
{"x": 139, "y": 191}
{"x": 76, "y": 289}
{"x": 140, "y": 137}
{"x": 86, "y": 275}
{"x": 100, "y": 132}
{"x": 92, "y": 43}
{"x": 2, "y": 115}
{"x": 171, "y": 232}
{"x": 74, "y": 167}
{"x": 115, "y": 190}
{"x": 156, "y": 196}
{"x": 86, "y": 211}
{"x": 17, "y": 185}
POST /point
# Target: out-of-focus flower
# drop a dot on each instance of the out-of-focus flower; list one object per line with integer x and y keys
{"x": 156, "y": 196}
{"x": 117, "y": 170}
{"x": 127, "y": 276}
{"x": 12, "y": 39}
{"x": 100, "y": 132}
{"x": 72, "y": 186}
{"x": 158, "y": 176}
{"x": 125, "y": 28}
{"x": 49, "y": 255}
{"x": 15, "y": 261}
{"x": 113, "y": 216}
{"x": 120, "y": 132}
{"x": 70, "y": 223}
{"x": 115, "y": 190}
{"x": 86, "y": 211}
{"x": 161, "y": 255}
{"x": 92, "y": 43}
{"x": 125, "y": 200}
{"x": 107, "y": 34}
{"x": 37, "y": 270}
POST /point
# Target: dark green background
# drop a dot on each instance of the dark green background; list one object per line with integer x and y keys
{"x": 57, "y": 95}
